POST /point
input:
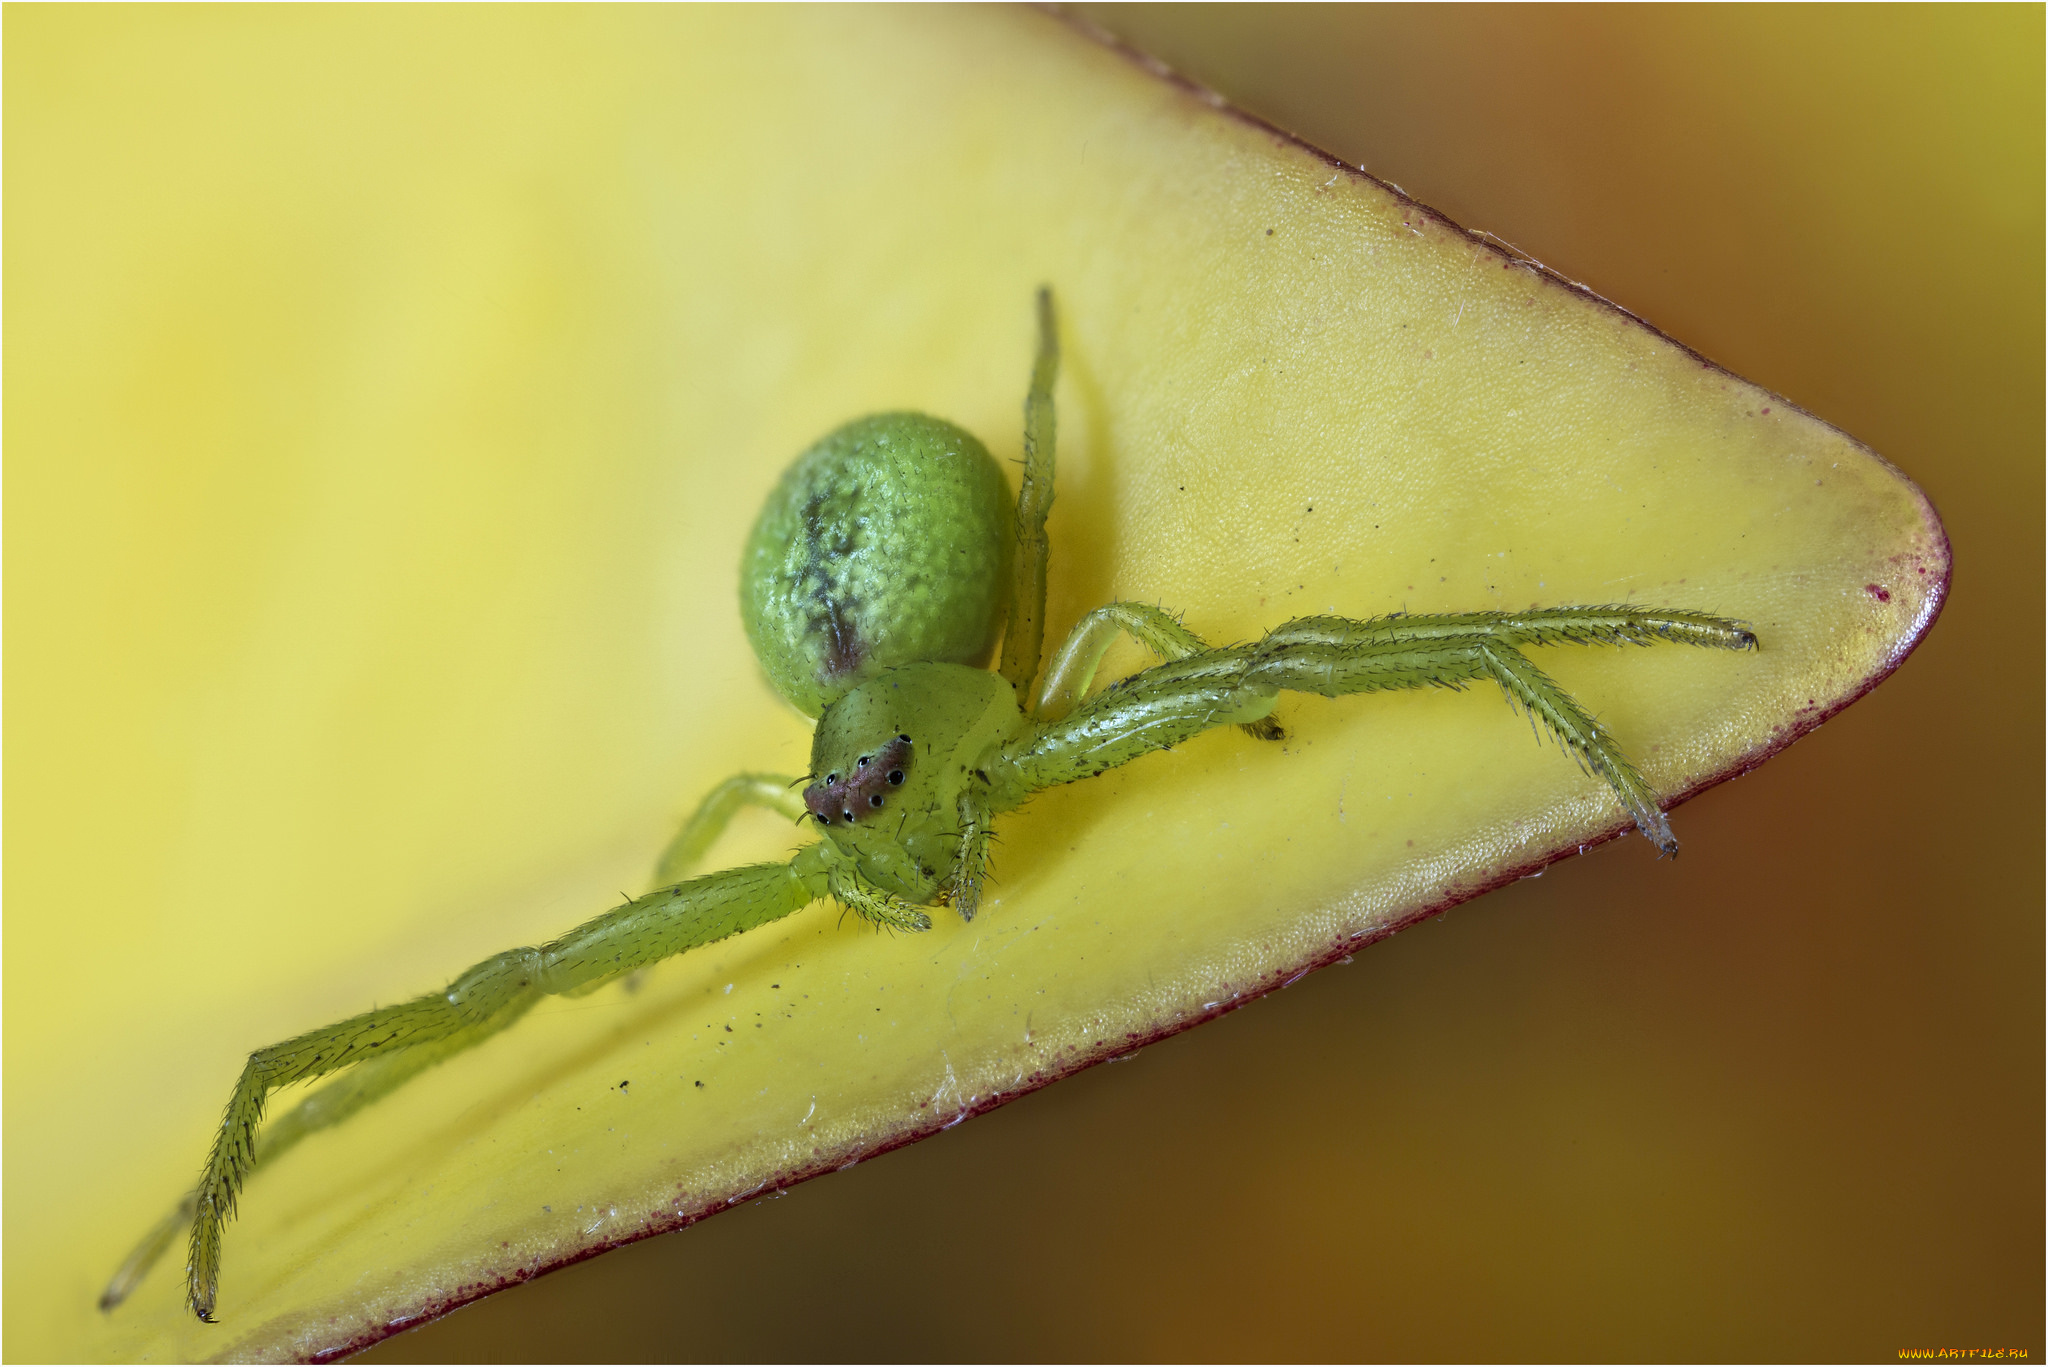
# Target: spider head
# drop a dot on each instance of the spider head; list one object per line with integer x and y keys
{"x": 890, "y": 760}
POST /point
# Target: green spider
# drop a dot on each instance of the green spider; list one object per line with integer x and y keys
{"x": 874, "y": 587}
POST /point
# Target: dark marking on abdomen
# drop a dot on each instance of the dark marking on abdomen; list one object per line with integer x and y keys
{"x": 826, "y": 543}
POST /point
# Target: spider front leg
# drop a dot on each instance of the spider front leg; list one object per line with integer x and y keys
{"x": 1333, "y": 656}
{"x": 377, "y": 1077}
{"x": 365, "y": 1083}
{"x": 644, "y": 931}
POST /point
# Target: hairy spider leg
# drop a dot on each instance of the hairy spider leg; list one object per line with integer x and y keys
{"x": 1024, "y": 636}
{"x": 870, "y": 903}
{"x": 1169, "y": 703}
{"x": 1072, "y": 672}
{"x": 970, "y": 870}
{"x": 1491, "y": 641}
{"x": 377, "y": 1077}
{"x": 365, "y": 1083}
{"x": 776, "y": 792}
{"x": 644, "y": 931}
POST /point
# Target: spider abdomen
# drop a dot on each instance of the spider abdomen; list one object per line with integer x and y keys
{"x": 887, "y": 543}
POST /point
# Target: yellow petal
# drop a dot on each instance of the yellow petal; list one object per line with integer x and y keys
{"x": 389, "y": 399}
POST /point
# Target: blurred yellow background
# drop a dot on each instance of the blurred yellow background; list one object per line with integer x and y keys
{"x": 1782, "y": 1099}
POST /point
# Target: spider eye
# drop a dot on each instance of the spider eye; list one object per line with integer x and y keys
{"x": 861, "y": 763}
{"x": 905, "y": 739}
{"x": 831, "y": 778}
{"x": 847, "y": 815}
{"x": 896, "y": 776}
{"x": 875, "y": 801}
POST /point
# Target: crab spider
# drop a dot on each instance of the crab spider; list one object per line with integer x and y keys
{"x": 874, "y": 588}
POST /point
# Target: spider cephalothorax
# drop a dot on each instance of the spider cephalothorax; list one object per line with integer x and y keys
{"x": 886, "y": 565}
